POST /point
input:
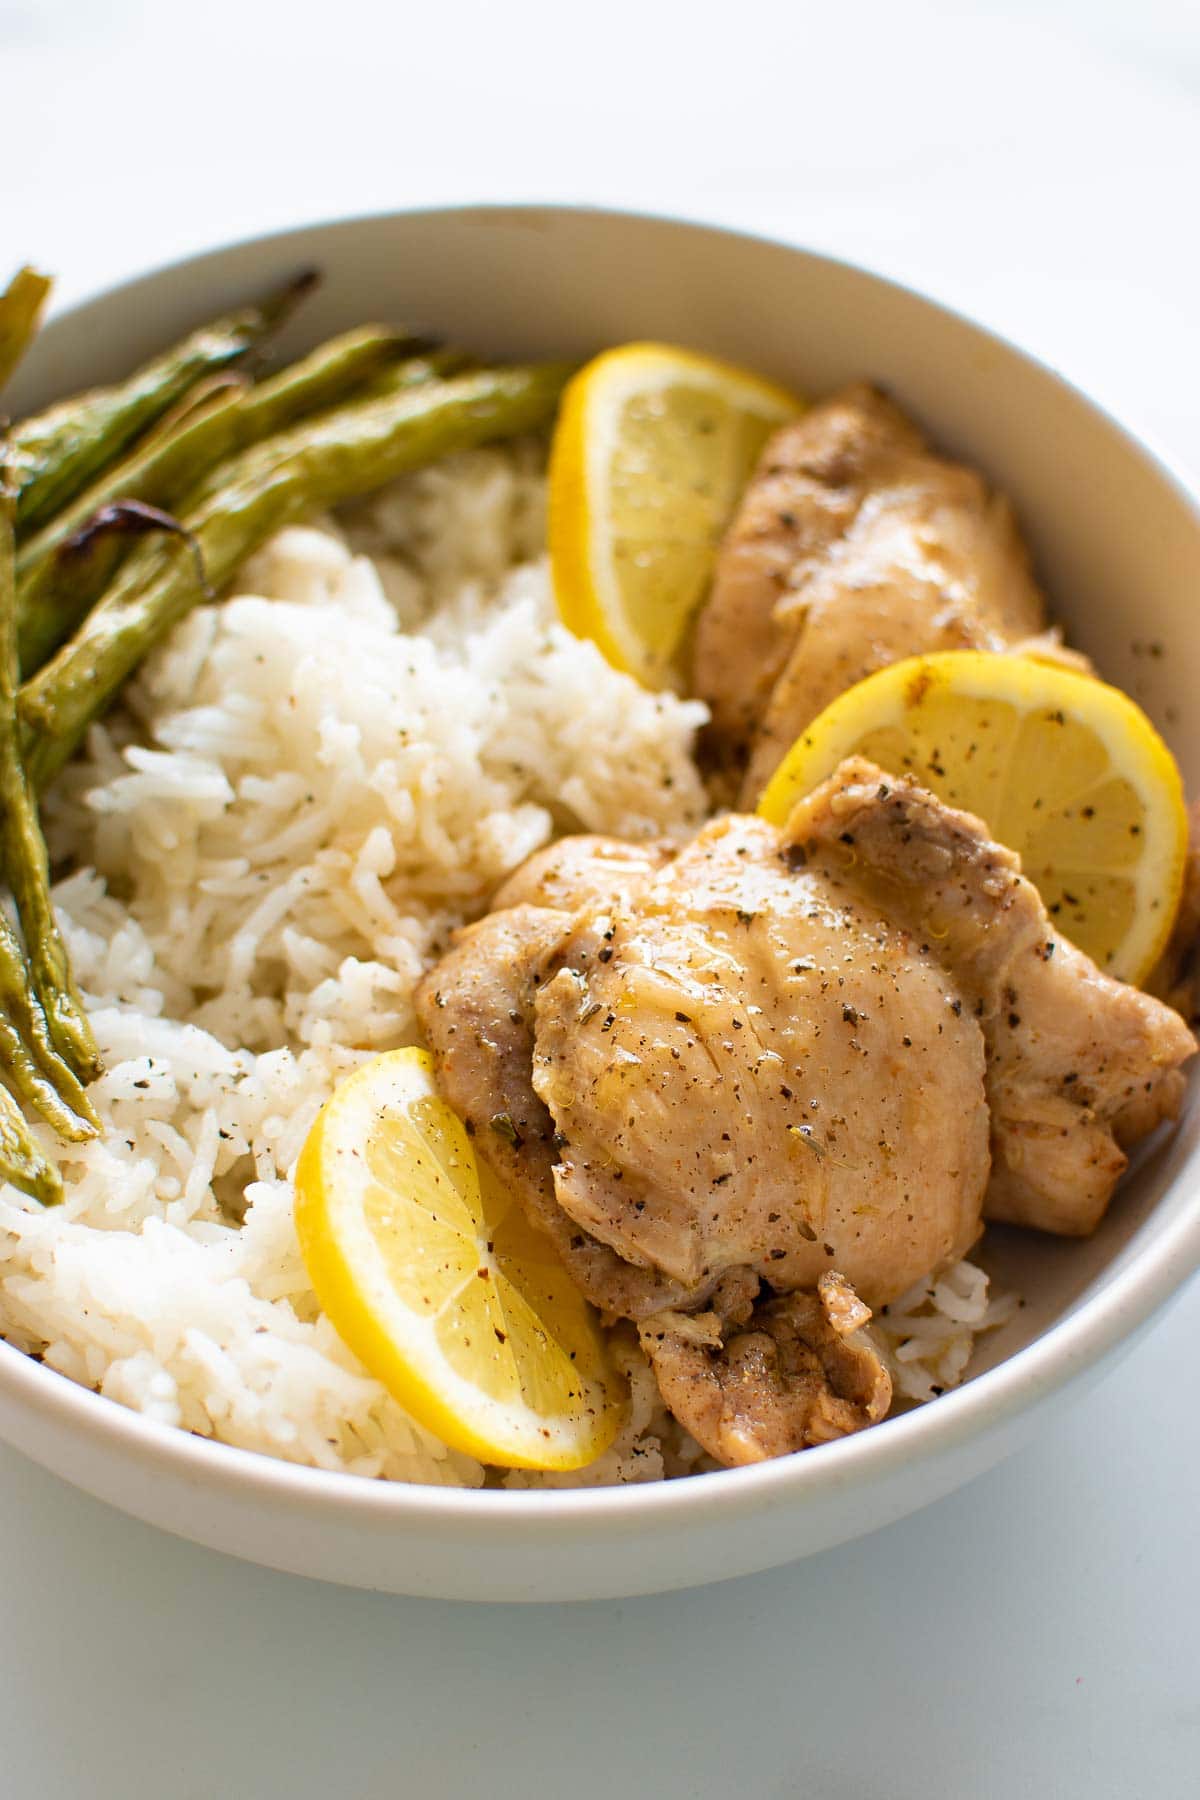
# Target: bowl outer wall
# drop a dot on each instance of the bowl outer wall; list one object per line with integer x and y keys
{"x": 460, "y": 1545}
{"x": 1107, "y": 521}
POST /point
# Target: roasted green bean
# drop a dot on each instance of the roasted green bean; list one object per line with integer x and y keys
{"x": 436, "y": 365}
{"x": 23, "y": 850}
{"x": 264, "y": 413}
{"x": 62, "y": 569}
{"x": 321, "y": 463}
{"x": 20, "y": 309}
{"x": 32, "y": 1067}
{"x": 21, "y": 1160}
{"x": 56, "y": 453}
{"x": 323, "y": 378}
{"x": 65, "y": 566}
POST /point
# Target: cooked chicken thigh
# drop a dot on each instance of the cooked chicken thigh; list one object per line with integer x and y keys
{"x": 584, "y": 871}
{"x": 749, "y": 1067}
{"x": 796, "y": 1371}
{"x": 779, "y": 1069}
{"x": 1079, "y": 1066}
{"x": 854, "y": 546}
{"x": 802, "y": 1373}
{"x": 476, "y": 1010}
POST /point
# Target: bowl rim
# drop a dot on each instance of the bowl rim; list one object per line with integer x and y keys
{"x": 1091, "y": 1330}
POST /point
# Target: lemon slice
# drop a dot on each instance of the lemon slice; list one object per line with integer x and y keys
{"x": 1065, "y": 770}
{"x": 428, "y": 1270}
{"x": 652, "y": 449}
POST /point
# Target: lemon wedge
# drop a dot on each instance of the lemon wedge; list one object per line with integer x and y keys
{"x": 428, "y": 1270}
{"x": 651, "y": 452}
{"x": 1066, "y": 771}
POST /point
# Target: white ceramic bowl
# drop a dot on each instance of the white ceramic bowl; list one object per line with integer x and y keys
{"x": 1117, "y": 539}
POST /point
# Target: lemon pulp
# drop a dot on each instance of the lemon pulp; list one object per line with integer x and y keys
{"x": 652, "y": 450}
{"x": 428, "y": 1270}
{"x": 1062, "y": 768}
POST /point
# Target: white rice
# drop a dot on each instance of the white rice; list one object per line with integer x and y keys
{"x": 308, "y": 787}
{"x": 926, "y": 1336}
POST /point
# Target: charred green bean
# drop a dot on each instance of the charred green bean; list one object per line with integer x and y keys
{"x": 62, "y": 570}
{"x": 23, "y": 850}
{"x": 56, "y": 453}
{"x": 339, "y": 455}
{"x": 64, "y": 567}
{"x": 22, "y": 1161}
{"x": 32, "y": 1067}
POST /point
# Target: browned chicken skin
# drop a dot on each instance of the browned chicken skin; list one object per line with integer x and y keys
{"x": 854, "y": 546}
{"x": 794, "y": 1372}
{"x": 1079, "y": 1065}
{"x": 476, "y": 1010}
{"x": 801, "y": 1373}
{"x": 717, "y": 1075}
{"x": 749, "y": 1067}
{"x": 584, "y": 871}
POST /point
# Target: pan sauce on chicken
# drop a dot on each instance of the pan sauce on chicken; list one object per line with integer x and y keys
{"x": 854, "y": 546}
{"x": 719, "y": 1077}
{"x": 758, "y": 1085}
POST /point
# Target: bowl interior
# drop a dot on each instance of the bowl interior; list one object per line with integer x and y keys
{"x": 1115, "y": 539}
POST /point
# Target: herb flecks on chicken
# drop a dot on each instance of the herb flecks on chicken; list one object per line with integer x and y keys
{"x": 1079, "y": 1066}
{"x": 854, "y": 546}
{"x": 783, "y": 1055}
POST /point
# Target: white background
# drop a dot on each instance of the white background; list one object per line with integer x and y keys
{"x": 1038, "y": 1634}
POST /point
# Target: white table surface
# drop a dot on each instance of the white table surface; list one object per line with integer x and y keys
{"x": 1037, "y": 1634}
